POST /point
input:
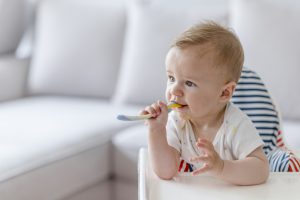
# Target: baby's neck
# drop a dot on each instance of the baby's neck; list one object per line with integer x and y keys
{"x": 207, "y": 127}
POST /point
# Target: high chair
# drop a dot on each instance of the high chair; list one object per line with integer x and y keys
{"x": 252, "y": 97}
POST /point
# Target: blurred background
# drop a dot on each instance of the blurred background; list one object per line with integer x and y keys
{"x": 268, "y": 30}
{"x": 112, "y": 52}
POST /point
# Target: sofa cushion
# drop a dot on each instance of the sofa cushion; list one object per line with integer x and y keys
{"x": 125, "y": 190}
{"x": 61, "y": 178}
{"x": 12, "y": 77}
{"x": 152, "y": 26}
{"x": 126, "y": 145}
{"x": 77, "y": 52}
{"x": 269, "y": 32}
{"x": 12, "y": 15}
{"x": 98, "y": 191}
{"x": 63, "y": 143}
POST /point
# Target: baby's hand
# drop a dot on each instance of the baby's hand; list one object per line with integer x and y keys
{"x": 211, "y": 160}
{"x": 159, "y": 112}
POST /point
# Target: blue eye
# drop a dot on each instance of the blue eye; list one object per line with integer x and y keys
{"x": 190, "y": 84}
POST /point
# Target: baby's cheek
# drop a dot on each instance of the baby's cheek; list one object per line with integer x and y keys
{"x": 168, "y": 95}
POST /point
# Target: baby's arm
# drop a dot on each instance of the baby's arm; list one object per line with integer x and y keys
{"x": 254, "y": 169}
{"x": 164, "y": 158}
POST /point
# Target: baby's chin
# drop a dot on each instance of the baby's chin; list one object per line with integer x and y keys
{"x": 183, "y": 116}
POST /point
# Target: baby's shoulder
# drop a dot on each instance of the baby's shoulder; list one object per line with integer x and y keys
{"x": 234, "y": 115}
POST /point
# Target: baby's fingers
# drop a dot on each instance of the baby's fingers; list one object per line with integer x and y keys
{"x": 143, "y": 112}
{"x": 162, "y": 106}
{"x": 154, "y": 110}
{"x": 150, "y": 110}
{"x": 198, "y": 159}
{"x": 156, "y": 107}
{"x": 201, "y": 170}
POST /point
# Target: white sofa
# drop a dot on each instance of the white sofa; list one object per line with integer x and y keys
{"x": 80, "y": 63}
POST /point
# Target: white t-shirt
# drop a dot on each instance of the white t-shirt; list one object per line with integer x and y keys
{"x": 236, "y": 138}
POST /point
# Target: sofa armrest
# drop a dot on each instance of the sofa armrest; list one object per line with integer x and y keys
{"x": 13, "y": 75}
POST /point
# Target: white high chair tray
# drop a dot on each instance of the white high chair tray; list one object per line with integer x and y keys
{"x": 279, "y": 186}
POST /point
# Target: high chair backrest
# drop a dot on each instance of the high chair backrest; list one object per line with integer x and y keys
{"x": 252, "y": 97}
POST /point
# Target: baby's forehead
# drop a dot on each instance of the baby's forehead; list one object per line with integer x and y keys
{"x": 203, "y": 51}
{"x": 198, "y": 50}
{"x": 195, "y": 53}
{"x": 204, "y": 54}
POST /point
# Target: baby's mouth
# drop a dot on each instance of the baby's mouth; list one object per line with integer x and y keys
{"x": 180, "y": 106}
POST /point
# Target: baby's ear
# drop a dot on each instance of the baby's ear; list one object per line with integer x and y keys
{"x": 227, "y": 91}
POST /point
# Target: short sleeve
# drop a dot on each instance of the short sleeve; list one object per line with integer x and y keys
{"x": 172, "y": 132}
{"x": 244, "y": 138}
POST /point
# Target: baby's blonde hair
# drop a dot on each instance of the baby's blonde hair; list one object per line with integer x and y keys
{"x": 226, "y": 45}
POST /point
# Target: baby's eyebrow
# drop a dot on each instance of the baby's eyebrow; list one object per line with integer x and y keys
{"x": 191, "y": 78}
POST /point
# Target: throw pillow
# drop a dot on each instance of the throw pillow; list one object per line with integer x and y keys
{"x": 78, "y": 47}
{"x": 151, "y": 27}
{"x": 269, "y": 31}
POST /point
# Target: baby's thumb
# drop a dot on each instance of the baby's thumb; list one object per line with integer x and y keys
{"x": 163, "y": 106}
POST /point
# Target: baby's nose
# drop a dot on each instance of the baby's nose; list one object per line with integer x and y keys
{"x": 176, "y": 91}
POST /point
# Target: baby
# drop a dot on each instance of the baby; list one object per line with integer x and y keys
{"x": 207, "y": 134}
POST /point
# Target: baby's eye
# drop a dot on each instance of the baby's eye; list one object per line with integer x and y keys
{"x": 171, "y": 78}
{"x": 190, "y": 84}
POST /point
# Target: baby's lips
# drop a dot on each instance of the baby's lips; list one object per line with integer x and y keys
{"x": 174, "y": 105}
{"x": 175, "y": 102}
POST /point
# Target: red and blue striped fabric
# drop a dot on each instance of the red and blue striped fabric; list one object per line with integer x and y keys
{"x": 185, "y": 166}
{"x": 283, "y": 160}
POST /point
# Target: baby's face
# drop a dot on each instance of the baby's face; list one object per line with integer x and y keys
{"x": 193, "y": 81}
